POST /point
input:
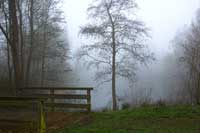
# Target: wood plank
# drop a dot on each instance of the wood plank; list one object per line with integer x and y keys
{"x": 14, "y": 121}
{"x": 20, "y": 102}
{"x": 24, "y": 104}
{"x": 56, "y": 88}
{"x": 15, "y": 124}
{"x": 66, "y": 105}
{"x": 24, "y": 99}
{"x": 60, "y": 96}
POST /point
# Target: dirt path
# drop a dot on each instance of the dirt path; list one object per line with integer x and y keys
{"x": 59, "y": 120}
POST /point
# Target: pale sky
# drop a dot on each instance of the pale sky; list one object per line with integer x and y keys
{"x": 163, "y": 17}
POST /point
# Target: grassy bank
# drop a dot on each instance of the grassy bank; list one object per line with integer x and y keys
{"x": 179, "y": 119}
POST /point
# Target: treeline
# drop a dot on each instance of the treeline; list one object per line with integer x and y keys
{"x": 33, "y": 48}
{"x": 184, "y": 65}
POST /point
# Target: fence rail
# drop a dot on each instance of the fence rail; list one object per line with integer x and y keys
{"x": 52, "y": 94}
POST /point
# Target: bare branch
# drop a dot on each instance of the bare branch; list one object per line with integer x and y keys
{"x": 5, "y": 34}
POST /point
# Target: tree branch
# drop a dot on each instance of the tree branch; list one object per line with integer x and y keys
{"x": 5, "y": 34}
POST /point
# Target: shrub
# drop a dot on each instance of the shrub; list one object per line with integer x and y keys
{"x": 160, "y": 103}
{"x": 126, "y": 106}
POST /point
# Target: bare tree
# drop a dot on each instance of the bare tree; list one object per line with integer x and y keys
{"x": 5, "y": 14}
{"x": 118, "y": 41}
{"x": 188, "y": 42}
{"x": 13, "y": 40}
{"x": 22, "y": 21}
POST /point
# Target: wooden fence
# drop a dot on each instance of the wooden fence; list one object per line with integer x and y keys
{"x": 15, "y": 117}
{"x": 57, "y": 94}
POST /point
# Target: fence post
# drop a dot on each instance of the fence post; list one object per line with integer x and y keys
{"x": 52, "y": 99}
{"x": 89, "y": 100}
{"x": 42, "y": 118}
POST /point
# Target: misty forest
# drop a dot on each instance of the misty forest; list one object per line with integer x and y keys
{"x": 99, "y": 66}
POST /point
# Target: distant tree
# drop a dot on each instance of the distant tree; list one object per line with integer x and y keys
{"x": 12, "y": 38}
{"x": 188, "y": 42}
{"x": 33, "y": 33}
{"x": 118, "y": 41}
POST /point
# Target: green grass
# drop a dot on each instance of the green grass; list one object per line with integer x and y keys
{"x": 179, "y": 119}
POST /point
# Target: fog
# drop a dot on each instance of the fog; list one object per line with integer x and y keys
{"x": 99, "y": 65}
{"x": 164, "y": 18}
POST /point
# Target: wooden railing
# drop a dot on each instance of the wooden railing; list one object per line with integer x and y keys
{"x": 54, "y": 94}
{"x": 15, "y": 115}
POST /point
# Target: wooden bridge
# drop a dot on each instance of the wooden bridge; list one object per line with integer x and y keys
{"x": 43, "y": 99}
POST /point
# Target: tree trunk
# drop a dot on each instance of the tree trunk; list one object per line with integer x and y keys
{"x": 28, "y": 68}
{"x": 21, "y": 46}
{"x": 43, "y": 55}
{"x": 114, "y": 79}
{"x": 43, "y": 66}
{"x": 14, "y": 37}
{"x": 8, "y": 48}
{"x": 9, "y": 65}
{"x": 114, "y": 99}
{"x": 198, "y": 88}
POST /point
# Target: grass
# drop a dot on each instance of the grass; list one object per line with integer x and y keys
{"x": 179, "y": 119}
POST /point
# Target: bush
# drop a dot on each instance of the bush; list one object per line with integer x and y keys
{"x": 126, "y": 106}
{"x": 145, "y": 104}
{"x": 160, "y": 103}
